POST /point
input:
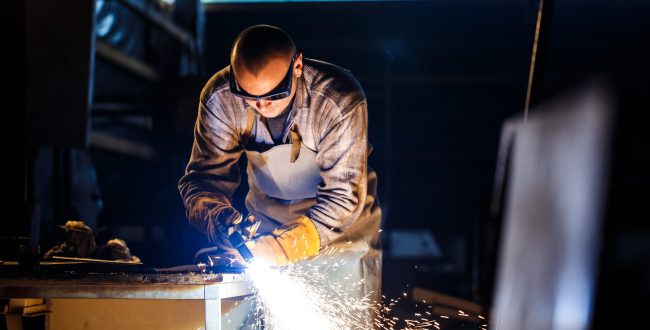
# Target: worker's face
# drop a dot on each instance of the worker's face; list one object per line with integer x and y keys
{"x": 266, "y": 81}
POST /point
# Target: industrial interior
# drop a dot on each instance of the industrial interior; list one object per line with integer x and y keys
{"x": 504, "y": 185}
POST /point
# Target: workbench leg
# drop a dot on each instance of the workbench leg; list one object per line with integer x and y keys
{"x": 18, "y": 309}
{"x": 212, "y": 314}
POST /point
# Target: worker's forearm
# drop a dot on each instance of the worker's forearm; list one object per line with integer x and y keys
{"x": 212, "y": 173}
{"x": 203, "y": 207}
{"x": 332, "y": 220}
{"x": 342, "y": 159}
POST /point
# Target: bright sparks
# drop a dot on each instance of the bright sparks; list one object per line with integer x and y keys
{"x": 296, "y": 298}
{"x": 306, "y": 296}
{"x": 287, "y": 304}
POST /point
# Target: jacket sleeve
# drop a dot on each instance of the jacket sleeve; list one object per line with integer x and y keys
{"x": 212, "y": 174}
{"x": 342, "y": 159}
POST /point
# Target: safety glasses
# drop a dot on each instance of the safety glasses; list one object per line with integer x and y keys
{"x": 282, "y": 90}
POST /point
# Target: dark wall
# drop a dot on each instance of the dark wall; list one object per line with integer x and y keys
{"x": 59, "y": 50}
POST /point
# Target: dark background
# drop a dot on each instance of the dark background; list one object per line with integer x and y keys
{"x": 440, "y": 78}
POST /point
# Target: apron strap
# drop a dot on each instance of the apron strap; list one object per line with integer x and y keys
{"x": 250, "y": 120}
{"x": 296, "y": 141}
{"x": 294, "y": 135}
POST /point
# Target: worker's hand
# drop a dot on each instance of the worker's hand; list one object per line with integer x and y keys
{"x": 248, "y": 227}
{"x": 288, "y": 244}
{"x": 222, "y": 222}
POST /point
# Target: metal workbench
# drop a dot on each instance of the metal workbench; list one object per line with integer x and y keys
{"x": 210, "y": 288}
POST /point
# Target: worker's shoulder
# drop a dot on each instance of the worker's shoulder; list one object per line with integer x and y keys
{"x": 333, "y": 82}
{"x": 217, "y": 85}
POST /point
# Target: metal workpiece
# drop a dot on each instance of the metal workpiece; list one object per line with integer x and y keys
{"x": 124, "y": 291}
{"x": 183, "y": 282}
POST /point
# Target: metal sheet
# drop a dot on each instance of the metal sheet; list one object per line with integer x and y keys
{"x": 129, "y": 286}
{"x": 554, "y": 207}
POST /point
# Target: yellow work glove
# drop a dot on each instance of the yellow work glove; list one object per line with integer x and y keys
{"x": 289, "y": 243}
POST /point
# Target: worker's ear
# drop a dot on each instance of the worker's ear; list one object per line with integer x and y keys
{"x": 297, "y": 65}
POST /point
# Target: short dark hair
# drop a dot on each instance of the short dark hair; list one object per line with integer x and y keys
{"x": 254, "y": 47}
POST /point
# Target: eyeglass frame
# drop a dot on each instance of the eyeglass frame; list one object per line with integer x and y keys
{"x": 275, "y": 94}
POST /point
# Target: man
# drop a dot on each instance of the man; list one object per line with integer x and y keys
{"x": 303, "y": 126}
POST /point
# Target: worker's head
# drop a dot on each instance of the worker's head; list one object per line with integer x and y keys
{"x": 264, "y": 67}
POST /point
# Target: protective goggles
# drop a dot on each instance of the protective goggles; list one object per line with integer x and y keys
{"x": 282, "y": 90}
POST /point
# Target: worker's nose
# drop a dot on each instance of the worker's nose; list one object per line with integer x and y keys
{"x": 262, "y": 104}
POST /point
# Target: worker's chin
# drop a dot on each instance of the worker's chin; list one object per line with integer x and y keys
{"x": 269, "y": 113}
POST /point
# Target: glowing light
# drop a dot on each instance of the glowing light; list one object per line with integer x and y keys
{"x": 297, "y": 298}
{"x": 288, "y": 304}
{"x": 304, "y": 297}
